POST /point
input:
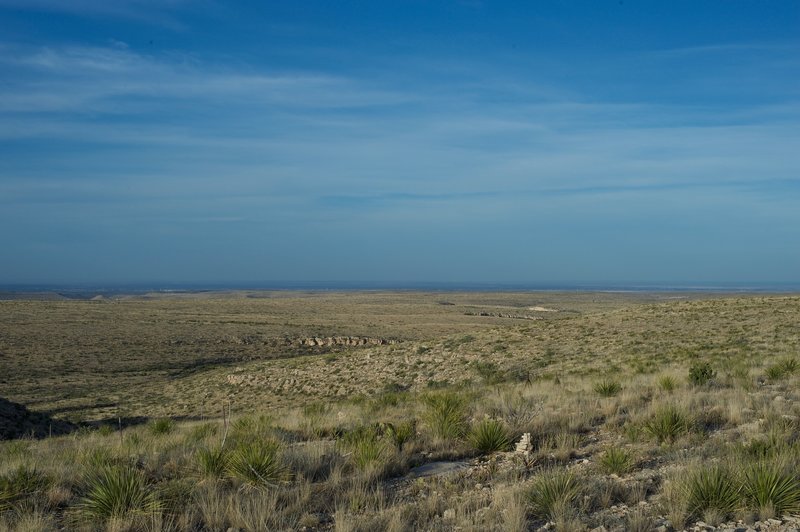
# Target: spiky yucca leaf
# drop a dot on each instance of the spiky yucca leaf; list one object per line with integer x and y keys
{"x": 768, "y": 485}
{"x": 115, "y": 491}
{"x": 489, "y": 436}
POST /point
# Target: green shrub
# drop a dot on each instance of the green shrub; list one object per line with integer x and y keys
{"x": 553, "y": 494}
{"x": 667, "y": 383}
{"x": 667, "y": 424}
{"x": 607, "y": 388}
{"x": 784, "y": 368}
{"x": 616, "y": 460}
{"x": 20, "y": 484}
{"x": 712, "y": 489}
{"x": 213, "y": 462}
{"x": 257, "y": 463}
{"x": 769, "y": 486}
{"x": 446, "y": 415}
{"x": 161, "y": 426}
{"x": 401, "y": 433}
{"x": 364, "y": 447}
{"x": 117, "y": 491}
{"x": 700, "y": 373}
{"x": 490, "y": 436}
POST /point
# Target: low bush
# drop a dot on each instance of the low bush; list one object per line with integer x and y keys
{"x": 257, "y": 463}
{"x": 712, "y": 490}
{"x": 489, "y": 436}
{"x": 667, "y": 424}
{"x": 161, "y": 426}
{"x": 701, "y": 373}
{"x": 768, "y": 487}
{"x": 116, "y": 492}
{"x": 446, "y": 415}
{"x": 554, "y": 494}
{"x": 213, "y": 462}
{"x": 616, "y": 460}
{"x": 607, "y": 388}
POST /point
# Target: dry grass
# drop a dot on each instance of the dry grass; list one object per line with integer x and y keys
{"x": 325, "y": 440}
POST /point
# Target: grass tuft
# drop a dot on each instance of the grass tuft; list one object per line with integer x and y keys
{"x": 257, "y": 463}
{"x": 769, "y": 486}
{"x": 667, "y": 424}
{"x": 490, "y": 436}
{"x": 554, "y": 494}
{"x": 161, "y": 426}
{"x": 712, "y": 490}
{"x": 446, "y": 415}
{"x": 607, "y": 388}
{"x": 116, "y": 491}
{"x": 616, "y": 460}
{"x": 701, "y": 373}
{"x": 213, "y": 462}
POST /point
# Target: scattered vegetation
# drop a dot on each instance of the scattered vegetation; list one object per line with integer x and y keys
{"x": 340, "y": 429}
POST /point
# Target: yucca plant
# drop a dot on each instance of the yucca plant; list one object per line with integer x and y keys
{"x": 712, "y": 489}
{"x": 213, "y": 462}
{"x": 667, "y": 383}
{"x": 700, "y": 373}
{"x": 401, "y": 433}
{"x": 667, "y": 424}
{"x": 257, "y": 463}
{"x": 116, "y": 491}
{"x": 553, "y": 494}
{"x": 21, "y": 483}
{"x": 768, "y": 485}
{"x": 607, "y": 388}
{"x": 161, "y": 426}
{"x": 616, "y": 460}
{"x": 446, "y": 415}
{"x": 363, "y": 446}
{"x": 489, "y": 436}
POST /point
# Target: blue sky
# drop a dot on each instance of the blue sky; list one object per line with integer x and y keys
{"x": 454, "y": 141}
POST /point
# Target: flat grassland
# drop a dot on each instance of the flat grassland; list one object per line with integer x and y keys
{"x": 399, "y": 410}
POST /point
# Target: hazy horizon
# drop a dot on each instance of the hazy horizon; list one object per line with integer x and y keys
{"x": 461, "y": 142}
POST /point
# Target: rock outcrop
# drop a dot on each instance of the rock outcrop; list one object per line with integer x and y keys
{"x": 347, "y": 341}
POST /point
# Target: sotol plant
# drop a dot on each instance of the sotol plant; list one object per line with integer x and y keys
{"x": 667, "y": 424}
{"x": 257, "y": 463}
{"x": 117, "y": 491}
{"x": 489, "y": 436}
{"x": 446, "y": 415}
{"x": 607, "y": 388}
{"x": 553, "y": 494}
{"x": 768, "y": 486}
{"x": 616, "y": 460}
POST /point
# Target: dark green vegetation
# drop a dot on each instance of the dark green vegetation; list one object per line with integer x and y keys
{"x": 671, "y": 412}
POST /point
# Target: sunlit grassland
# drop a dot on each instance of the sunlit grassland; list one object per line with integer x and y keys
{"x": 670, "y": 412}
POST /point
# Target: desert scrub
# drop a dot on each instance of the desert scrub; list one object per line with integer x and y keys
{"x": 667, "y": 424}
{"x": 212, "y": 462}
{"x": 22, "y": 484}
{"x": 667, "y": 383}
{"x": 701, "y": 373}
{"x": 161, "y": 426}
{"x": 446, "y": 415}
{"x": 607, "y": 388}
{"x": 364, "y": 448}
{"x": 401, "y": 433}
{"x": 782, "y": 369}
{"x": 771, "y": 489}
{"x": 117, "y": 491}
{"x": 616, "y": 460}
{"x": 713, "y": 493}
{"x": 554, "y": 495}
{"x": 257, "y": 463}
{"x": 489, "y": 436}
